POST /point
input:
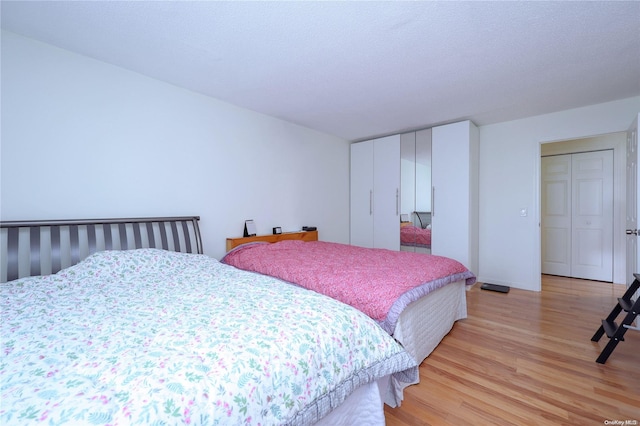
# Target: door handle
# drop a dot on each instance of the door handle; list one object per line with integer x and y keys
{"x": 632, "y": 232}
{"x": 370, "y": 202}
{"x": 433, "y": 201}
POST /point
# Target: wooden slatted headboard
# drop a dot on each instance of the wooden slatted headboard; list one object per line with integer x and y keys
{"x": 29, "y": 248}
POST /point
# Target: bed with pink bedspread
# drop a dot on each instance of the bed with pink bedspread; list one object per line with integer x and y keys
{"x": 414, "y": 297}
{"x": 414, "y": 236}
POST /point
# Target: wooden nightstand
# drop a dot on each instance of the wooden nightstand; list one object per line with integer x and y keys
{"x": 302, "y": 235}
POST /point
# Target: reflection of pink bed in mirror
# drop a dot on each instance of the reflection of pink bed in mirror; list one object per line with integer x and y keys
{"x": 415, "y": 236}
{"x": 415, "y": 233}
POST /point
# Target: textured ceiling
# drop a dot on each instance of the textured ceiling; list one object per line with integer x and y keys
{"x": 361, "y": 69}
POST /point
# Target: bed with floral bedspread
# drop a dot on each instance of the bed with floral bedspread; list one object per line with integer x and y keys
{"x": 155, "y": 337}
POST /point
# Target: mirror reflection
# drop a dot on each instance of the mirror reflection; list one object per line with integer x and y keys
{"x": 415, "y": 169}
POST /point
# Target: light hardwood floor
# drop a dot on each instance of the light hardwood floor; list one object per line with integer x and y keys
{"x": 526, "y": 358}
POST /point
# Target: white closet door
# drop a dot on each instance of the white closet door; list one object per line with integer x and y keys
{"x": 361, "y": 213}
{"x": 577, "y": 215}
{"x": 386, "y": 194}
{"x": 592, "y": 218}
{"x": 556, "y": 215}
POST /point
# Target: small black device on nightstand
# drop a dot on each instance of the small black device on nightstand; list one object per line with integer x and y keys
{"x": 309, "y": 228}
{"x": 277, "y": 230}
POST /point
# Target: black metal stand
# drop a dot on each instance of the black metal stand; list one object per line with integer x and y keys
{"x": 615, "y": 332}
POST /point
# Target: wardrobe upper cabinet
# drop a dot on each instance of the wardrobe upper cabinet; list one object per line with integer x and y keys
{"x": 375, "y": 193}
{"x": 454, "y": 209}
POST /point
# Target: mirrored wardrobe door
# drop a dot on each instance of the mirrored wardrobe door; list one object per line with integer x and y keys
{"x": 407, "y": 191}
{"x": 422, "y": 212}
{"x": 415, "y": 184}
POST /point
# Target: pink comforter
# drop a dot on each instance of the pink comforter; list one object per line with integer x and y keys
{"x": 378, "y": 282}
{"x": 415, "y": 236}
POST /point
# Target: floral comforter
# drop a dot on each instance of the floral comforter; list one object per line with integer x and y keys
{"x": 153, "y": 337}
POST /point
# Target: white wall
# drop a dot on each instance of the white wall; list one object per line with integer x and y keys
{"x": 84, "y": 139}
{"x": 510, "y": 181}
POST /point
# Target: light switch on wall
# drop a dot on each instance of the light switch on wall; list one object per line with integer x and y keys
{"x": 523, "y": 212}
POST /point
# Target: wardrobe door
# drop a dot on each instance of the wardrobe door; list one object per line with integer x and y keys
{"x": 423, "y": 189}
{"x": 423, "y": 173}
{"x": 386, "y": 193}
{"x": 454, "y": 209}
{"x": 375, "y": 193}
{"x": 361, "y": 205}
{"x": 408, "y": 235}
{"x": 415, "y": 191}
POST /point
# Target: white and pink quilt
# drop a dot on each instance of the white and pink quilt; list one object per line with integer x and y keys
{"x": 381, "y": 283}
{"x": 150, "y": 337}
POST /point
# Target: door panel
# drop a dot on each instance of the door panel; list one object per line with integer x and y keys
{"x": 408, "y": 186}
{"x": 592, "y": 216}
{"x": 577, "y": 215}
{"x": 361, "y": 216}
{"x": 556, "y": 215}
{"x": 450, "y": 191}
{"x": 386, "y": 196}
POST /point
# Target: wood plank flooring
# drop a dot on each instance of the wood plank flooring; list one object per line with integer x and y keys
{"x": 526, "y": 358}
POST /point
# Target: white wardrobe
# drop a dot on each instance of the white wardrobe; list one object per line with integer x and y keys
{"x": 375, "y": 193}
{"x": 376, "y": 190}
